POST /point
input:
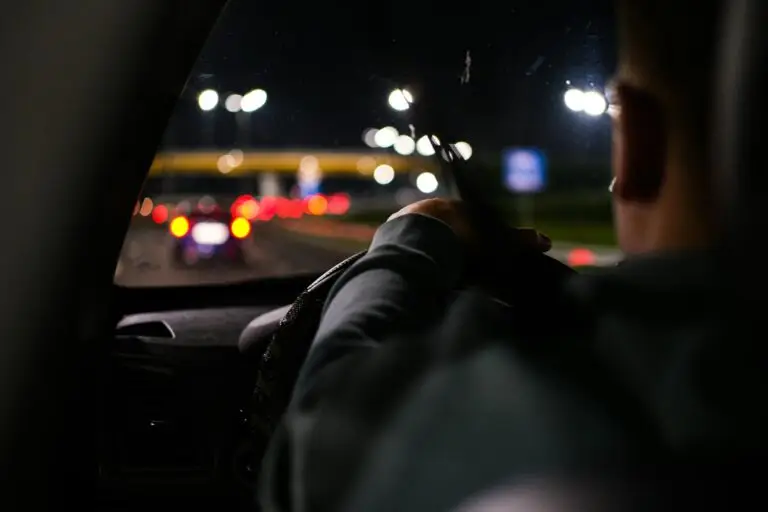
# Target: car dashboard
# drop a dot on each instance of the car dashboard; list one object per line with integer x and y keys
{"x": 177, "y": 412}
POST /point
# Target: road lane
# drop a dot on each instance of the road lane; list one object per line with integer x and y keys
{"x": 146, "y": 259}
{"x": 270, "y": 251}
{"x": 331, "y": 232}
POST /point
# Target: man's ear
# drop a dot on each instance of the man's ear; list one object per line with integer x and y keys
{"x": 640, "y": 145}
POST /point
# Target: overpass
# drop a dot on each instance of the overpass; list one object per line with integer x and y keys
{"x": 240, "y": 163}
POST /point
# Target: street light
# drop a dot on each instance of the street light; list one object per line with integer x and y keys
{"x": 591, "y": 103}
{"x": 424, "y": 146}
{"x": 253, "y": 100}
{"x": 594, "y": 104}
{"x": 400, "y": 99}
{"x": 233, "y": 103}
{"x": 464, "y": 149}
{"x": 240, "y": 105}
{"x": 574, "y": 99}
{"x": 386, "y": 137}
{"x": 250, "y": 102}
{"x": 404, "y": 145}
{"x": 384, "y": 174}
{"x": 426, "y": 182}
{"x": 207, "y": 100}
{"x": 369, "y": 137}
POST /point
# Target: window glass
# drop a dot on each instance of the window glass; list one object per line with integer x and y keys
{"x": 292, "y": 140}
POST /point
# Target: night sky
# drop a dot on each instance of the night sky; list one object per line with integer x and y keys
{"x": 328, "y": 71}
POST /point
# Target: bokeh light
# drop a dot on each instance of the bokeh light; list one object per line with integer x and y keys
{"x": 426, "y": 182}
{"x": 384, "y": 174}
{"x": 386, "y": 137}
{"x": 207, "y": 100}
{"x": 404, "y": 145}
{"x": 400, "y": 99}
{"x": 240, "y": 227}
{"x": 254, "y": 100}
{"x": 179, "y": 227}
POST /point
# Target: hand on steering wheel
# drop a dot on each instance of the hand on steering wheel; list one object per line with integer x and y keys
{"x": 455, "y": 215}
{"x": 509, "y": 266}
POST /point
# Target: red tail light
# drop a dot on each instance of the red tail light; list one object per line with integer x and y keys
{"x": 338, "y": 204}
{"x": 160, "y": 214}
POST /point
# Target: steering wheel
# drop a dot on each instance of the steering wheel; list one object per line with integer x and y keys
{"x": 525, "y": 279}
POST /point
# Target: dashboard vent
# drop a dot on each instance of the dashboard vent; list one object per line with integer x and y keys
{"x": 150, "y": 329}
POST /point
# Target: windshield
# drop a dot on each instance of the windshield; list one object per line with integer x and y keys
{"x": 296, "y": 134}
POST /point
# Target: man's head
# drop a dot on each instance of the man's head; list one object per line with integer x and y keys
{"x": 662, "y": 123}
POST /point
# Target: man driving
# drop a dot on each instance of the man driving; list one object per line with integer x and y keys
{"x": 414, "y": 397}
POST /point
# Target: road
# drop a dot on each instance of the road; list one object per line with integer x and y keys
{"x": 270, "y": 251}
{"x": 145, "y": 260}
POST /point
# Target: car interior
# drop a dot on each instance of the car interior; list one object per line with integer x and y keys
{"x": 120, "y": 398}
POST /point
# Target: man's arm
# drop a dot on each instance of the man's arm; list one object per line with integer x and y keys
{"x": 398, "y": 286}
{"x": 412, "y": 264}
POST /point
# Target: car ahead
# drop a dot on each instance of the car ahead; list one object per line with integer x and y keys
{"x": 208, "y": 237}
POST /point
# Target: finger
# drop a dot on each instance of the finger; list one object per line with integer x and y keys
{"x": 529, "y": 237}
{"x": 545, "y": 243}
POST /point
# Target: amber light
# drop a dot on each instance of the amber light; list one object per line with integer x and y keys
{"x": 179, "y": 227}
{"x": 317, "y": 205}
{"x": 240, "y": 227}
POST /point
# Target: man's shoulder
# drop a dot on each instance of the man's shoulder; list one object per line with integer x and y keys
{"x": 502, "y": 409}
{"x": 473, "y": 361}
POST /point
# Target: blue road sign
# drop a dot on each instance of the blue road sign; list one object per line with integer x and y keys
{"x": 307, "y": 189}
{"x": 525, "y": 170}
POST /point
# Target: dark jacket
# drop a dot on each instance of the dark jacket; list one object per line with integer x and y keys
{"x": 418, "y": 397}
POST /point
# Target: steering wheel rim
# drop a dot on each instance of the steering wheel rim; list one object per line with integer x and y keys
{"x": 279, "y": 364}
{"x": 536, "y": 275}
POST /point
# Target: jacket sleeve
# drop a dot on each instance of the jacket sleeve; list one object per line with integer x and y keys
{"x": 398, "y": 287}
{"x": 412, "y": 263}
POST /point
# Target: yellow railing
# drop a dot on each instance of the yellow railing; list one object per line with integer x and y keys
{"x": 363, "y": 163}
